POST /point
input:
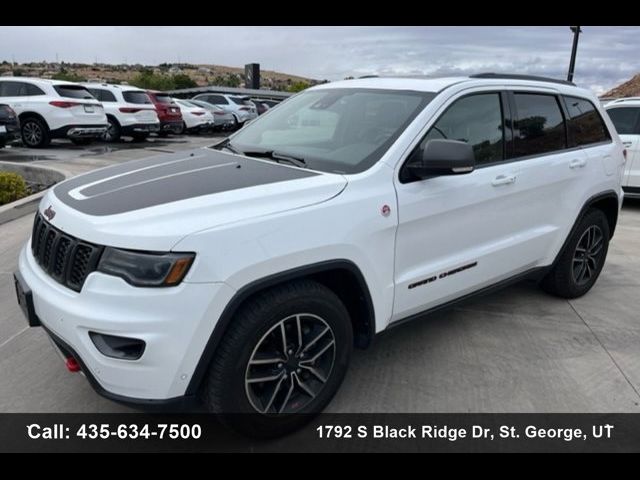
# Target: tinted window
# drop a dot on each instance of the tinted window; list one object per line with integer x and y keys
{"x": 625, "y": 119}
{"x": 477, "y": 120}
{"x": 136, "y": 97}
{"x": 163, "y": 98}
{"x": 73, "y": 91}
{"x": 217, "y": 100}
{"x": 585, "y": 124}
{"x": 18, "y": 89}
{"x": 540, "y": 127}
{"x": 102, "y": 95}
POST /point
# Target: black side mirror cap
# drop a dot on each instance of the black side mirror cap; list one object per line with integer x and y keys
{"x": 444, "y": 157}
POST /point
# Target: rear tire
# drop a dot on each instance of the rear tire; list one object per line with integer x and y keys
{"x": 113, "y": 132}
{"x": 35, "y": 133}
{"x": 253, "y": 347}
{"x": 140, "y": 137}
{"x": 581, "y": 261}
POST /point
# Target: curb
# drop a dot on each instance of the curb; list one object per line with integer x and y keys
{"x": 29, "y": 204}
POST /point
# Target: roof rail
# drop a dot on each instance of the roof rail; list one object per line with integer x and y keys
{"x": 514, "y": 76}
{"x": 625, "y": 99}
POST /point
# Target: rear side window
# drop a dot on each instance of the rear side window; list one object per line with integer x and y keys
{"x": 18, "y": 89}
{"x": 585, "y": 123}
{"x": 217, "y": 100}
{"x": 163, "y": 98}
{"x": 477, "y": 120}
{"x": 540, "y": 126}
{"x": 133, "y": 96}
{"x": 73, "y": 91}
{"x": 102, "y": 95}
{"x": 625, "y": 119}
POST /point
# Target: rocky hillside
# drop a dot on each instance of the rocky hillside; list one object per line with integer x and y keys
{"x": 630, "y": 88}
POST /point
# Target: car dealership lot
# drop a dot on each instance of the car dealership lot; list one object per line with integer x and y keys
{"x": 516, "y": 350}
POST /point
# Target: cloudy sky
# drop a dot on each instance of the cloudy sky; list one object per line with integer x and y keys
{"x": 606, "y": 55}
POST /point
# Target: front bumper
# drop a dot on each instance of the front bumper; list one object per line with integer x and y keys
{"x": 175, "y": 324}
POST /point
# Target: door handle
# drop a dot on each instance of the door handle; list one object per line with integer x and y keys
{"x": 577, "y": 163}
{"x": 503, "y": 180}
{"x": 627, "y": 144}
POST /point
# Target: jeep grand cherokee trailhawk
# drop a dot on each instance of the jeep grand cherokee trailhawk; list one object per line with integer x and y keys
{"x": 245, "y": 273}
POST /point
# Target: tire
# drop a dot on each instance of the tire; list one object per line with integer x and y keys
{"x": 163, "y": 134}
{"x": 575, "y": 271}
{"x": 255, "y": 331}
{"x": 113, "y": 132}
{"x": 82, "y": 141}
{"x": 2, "y": 144}
{"x": 35, "y": 133}
{"x": 182, "y": 130}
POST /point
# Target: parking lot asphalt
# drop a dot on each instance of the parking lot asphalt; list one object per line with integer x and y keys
{"x": 518, "y": 350}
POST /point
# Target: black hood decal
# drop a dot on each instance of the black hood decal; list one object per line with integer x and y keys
{"x": 159, "y": 180}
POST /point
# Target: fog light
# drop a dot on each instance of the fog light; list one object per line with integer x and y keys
{"x": 72, "y": 365}
{"x": 122, "y": 348}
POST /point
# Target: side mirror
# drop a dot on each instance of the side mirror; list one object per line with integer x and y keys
{"x": 444, "y": 157}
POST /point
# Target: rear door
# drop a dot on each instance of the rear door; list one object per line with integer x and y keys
{"x": 627, "y": 122}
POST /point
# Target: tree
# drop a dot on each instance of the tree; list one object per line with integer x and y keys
{"x": 151, "y": 81}
{"x": 298, "y": 86}
{"x": 182, "y": 80}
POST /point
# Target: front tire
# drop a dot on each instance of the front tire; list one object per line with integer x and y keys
{"x": 35, "y": 133}
{"x": 582, "y": 259}
{"x": 282, "y": 360}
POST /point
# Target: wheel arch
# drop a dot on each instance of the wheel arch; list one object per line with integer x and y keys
{"x": 31, "y": 114}
{"x": 113, "y": 117}
{"x": 343, "y": 277}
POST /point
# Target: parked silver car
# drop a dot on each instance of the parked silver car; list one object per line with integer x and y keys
{"x": 242, "y": 108}
{"x": 223, "y": 119}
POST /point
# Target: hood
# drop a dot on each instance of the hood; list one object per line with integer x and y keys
{"x": 152, "y": 203}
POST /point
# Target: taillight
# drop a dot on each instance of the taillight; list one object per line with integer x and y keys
{"x": 131, "y": 109}
{"x": 244, "y": 109}
{"x": 198, "y": 113}
{"x": 8, "y": 110}
{"x": 61, "y": 104}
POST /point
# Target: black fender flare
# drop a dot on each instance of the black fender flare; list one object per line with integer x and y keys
{"x": 257, "y": 285}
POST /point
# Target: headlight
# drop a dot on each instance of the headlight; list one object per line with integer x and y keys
{"x": 144, "y": 269}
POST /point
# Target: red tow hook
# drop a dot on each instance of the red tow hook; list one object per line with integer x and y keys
{"x": 72, "y": 365}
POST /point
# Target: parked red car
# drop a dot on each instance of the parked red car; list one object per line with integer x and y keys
{"x": 168, "y": 112}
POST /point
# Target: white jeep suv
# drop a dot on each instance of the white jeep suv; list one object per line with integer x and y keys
{"x": 53, "y": 109}
{"x": 625, "y": 115}
{"x": 129, "y": 110}
{"x": 246, "y": 273}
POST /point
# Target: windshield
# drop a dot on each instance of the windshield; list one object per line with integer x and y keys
{"x": 335, "y": 130}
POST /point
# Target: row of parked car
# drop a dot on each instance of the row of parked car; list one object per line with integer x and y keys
{"x": 39, "y": 110}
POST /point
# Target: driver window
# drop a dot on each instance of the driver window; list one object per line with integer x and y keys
{"x": 476, "y": 119}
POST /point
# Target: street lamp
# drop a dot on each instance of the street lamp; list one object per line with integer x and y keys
{"x": 572, "y": 64}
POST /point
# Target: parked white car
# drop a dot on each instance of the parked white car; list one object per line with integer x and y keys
{"x": 129, "y": 111}
{"x": 242, "y": 108}
{"x": 195, "y": 118}
{"x": 625, "y": 115}
{"x": 50, "y": 109}
{"x": 246, "y": 273}
{"x": 223, "y": 119}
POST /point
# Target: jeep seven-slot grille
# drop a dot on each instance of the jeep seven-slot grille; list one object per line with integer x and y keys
{"x": 66, "y": 259}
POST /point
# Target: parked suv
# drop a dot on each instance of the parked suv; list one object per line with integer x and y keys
{"x": 129, "y": 110}
{"x": 246, "y": 273}
{"x": 9, "y": 125}
{"x": 50, "y": 109}
{"x": 242, "y": 108}
{"x": 168, "y": 112}
{"x": 625, "y": 115}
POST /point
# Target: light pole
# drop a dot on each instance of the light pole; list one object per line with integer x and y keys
{"x": 572, "y": 64}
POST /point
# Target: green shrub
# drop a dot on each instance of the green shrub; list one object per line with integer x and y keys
{"x": 12, "y": 187}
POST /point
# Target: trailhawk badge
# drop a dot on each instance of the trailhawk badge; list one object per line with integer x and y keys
{"x": 49, "y": 213}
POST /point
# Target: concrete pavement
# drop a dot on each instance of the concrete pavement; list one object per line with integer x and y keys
{"x": 518, "y": 350}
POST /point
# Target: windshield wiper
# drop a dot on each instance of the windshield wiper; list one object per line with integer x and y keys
{"x": 227, "y": 144}
{"x": 278, "y": 157}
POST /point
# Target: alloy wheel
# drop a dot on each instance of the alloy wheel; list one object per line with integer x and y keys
{"x": 587, "y": 255}
{"x": 32, "y": 133}
{"x": 290, "y": 364}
